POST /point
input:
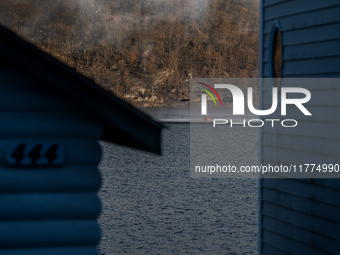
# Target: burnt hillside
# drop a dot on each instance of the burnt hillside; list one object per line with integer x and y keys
{"x": 143, "y": 51}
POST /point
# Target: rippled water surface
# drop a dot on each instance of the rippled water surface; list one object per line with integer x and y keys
{"x": 152, "y": 206}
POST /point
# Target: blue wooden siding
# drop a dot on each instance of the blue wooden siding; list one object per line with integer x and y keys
{"x": 310, "y": 37}
{"x": 301, "y": 216}
{"x": 47, "y": 210}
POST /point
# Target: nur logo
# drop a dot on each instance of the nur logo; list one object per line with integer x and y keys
{"x": 204, "y": 97}
{"x": 238, "y": 99}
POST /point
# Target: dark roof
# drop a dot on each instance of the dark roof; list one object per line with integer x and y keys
{"x": 123, "y": 124}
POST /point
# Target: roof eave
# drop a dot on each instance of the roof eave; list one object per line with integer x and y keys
{"x": 137, "y": 130}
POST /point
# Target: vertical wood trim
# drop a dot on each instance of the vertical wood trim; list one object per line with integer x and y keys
{"x": 260, "y": 130}
{"x": 261, "y": 39}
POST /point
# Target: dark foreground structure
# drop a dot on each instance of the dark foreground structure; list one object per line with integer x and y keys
{"x": 51, "y": 121}
{"x": 301, "y": 39}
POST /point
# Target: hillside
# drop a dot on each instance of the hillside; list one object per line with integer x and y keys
{"x": 143, "y": 51}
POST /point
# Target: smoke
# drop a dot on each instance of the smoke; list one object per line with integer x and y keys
{"x": 192, "y": 9}
{"x": 93, "y": 22}
{"x": 145, "y": 58}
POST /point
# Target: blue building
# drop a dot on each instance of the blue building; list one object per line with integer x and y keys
{"x": 51, "y": 121}
{"x": 301, "y": 39}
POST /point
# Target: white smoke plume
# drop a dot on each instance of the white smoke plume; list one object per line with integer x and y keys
{"x": 96, "y": 21}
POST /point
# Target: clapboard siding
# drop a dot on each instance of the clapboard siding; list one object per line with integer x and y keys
{"x": 321, "y": 98}
{"x": 270, "y": 250}
{"x": 302, "y": 220}
{"x": 307, "y": 35}
{"x": 301, "y": 216}
{"x": 290, "y": 156}
{"x": 303, "y": 129}
{"x": 62, "y": 206}
{"x": 306, "y": 67}
{"x": 48, "y": 206}
{"x": 49, "y": 233}
{"x": 308, "y": 19}
{"x": 317, "y": 74}
{"x": 303, "y": 205}
{"x": 81, "y": 178}
{"x": 289, "y": 245}
{"x": 311, "y": 83}
{"x": 317, "y": 191}
{"x": 268, "y": 3}
{"x": 329, "y": 183}
{"x": 320, "y": 113}
{"x": 304, "y": 54}
{"x": 304, "y": 236}
{"x": 306, "y": 51}
{"x": 302, "y": 143}
{"x": 317, "y": 185}
{"x": 289, "y": 8}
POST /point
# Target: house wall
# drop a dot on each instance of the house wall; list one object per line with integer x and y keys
{"x": 310, "y": 36}
{"x": 45, "y": 208}
{"x": 301, "y": 216}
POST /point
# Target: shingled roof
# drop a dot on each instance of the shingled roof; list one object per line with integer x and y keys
{"x": 123, "y": 124}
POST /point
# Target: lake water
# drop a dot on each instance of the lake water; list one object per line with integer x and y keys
{"x": 150, "y": 205}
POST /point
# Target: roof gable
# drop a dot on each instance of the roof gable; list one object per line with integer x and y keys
{"x": 123, "y": 124}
